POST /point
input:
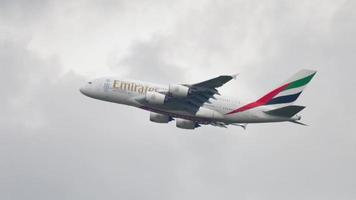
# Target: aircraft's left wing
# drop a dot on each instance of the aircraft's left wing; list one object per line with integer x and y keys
{"x": 215, "y": 82}
{"x": 201, "y": 92}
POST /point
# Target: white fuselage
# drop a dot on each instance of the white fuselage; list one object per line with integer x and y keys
{"x": 130, "y": 92}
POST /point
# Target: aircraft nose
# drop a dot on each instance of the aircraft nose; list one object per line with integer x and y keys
{"x": 82, "y": 90}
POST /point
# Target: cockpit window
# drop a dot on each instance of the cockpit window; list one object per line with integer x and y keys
{"x": 89, "y": 82}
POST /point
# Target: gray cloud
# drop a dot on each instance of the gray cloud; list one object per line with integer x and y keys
{"x": 151, "y": 59}
{"x": 57, "y": 144}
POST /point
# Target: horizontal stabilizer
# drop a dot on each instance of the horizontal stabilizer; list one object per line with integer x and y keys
{"x": 287, "y": 111}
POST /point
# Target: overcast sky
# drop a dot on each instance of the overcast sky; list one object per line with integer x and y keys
{"x": 58, "y": 144}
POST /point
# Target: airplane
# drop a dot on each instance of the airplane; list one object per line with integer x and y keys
{"x": 193, "y": 105}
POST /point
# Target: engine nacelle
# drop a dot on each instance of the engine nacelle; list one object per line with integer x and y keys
{"x": 186, "y": 124}
{"x": 153, "y": 97}
{"x": 178, "y": 91}
{"x": 159, "y": 118}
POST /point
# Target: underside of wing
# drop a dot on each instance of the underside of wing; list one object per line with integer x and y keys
{"x": 184, "y": 97}
{"x": 215, "y": 82}
{"x": 201, "y": 92}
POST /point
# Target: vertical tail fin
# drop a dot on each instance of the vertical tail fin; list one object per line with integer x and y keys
{"x": 287, "y": 93}
{"x": 290, "y": 90}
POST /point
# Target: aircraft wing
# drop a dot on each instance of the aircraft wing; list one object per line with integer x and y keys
{"x": 215, "y": 82}
{"x": 201, "y": 92}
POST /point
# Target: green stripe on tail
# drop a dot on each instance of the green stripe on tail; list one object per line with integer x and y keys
{"x": 300, "y": 82}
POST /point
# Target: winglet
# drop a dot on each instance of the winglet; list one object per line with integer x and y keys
{"x": 234, "y": 76}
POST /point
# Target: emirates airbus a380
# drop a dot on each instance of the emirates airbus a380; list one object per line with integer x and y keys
{"x": 192, "y": 105}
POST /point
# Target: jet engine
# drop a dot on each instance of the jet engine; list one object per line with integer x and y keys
{"x": 160, "y": 118}
{"x": 153, "y": 97}
{"x": 186, "y": 124}
{"x": 178, "y": 91}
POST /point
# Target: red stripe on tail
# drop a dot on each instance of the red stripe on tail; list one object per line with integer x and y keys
{"x": 262, "y": 101}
